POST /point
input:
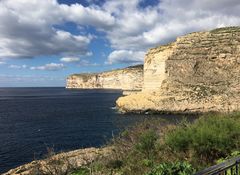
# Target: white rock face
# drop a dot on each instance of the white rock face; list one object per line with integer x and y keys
{"x": 200, "y": 72}
{"x": 155, "y": 67}
{"x": 130, "y": 78}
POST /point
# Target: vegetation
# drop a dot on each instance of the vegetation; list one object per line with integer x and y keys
{"x": 181, "y": 168}
{"x": 155, "y": 147}
{"x": 81, "y": 171}
{"x": 208, "y": 139}
{"x": 228, "y": 29}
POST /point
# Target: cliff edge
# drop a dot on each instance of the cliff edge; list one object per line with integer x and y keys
{"x": 199, "y": 72}
{"x": 130, "y": 78}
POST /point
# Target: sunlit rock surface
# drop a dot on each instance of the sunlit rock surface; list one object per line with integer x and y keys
{"x": 130, "y": 78}
{"x": 200, "y": 72}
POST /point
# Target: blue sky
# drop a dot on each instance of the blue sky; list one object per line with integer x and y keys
{"x": 42, "y": 42}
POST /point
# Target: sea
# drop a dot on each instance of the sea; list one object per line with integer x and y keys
{"x": 35, "y": 119}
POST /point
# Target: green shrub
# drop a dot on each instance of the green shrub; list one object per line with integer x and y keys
{"x": 207, "y": 139}
{"x": 179, "y": 168}
{"x": 137, "y": 146}
{"x": 233, "y": 154}
{"x": 81, "y": 171}
{"x": 114, "y": 164}
{"x": 147, "y": 144}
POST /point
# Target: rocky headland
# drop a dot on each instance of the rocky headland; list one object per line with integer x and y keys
{"x": 199, "y": 72}
{"x": 130, "y": 79}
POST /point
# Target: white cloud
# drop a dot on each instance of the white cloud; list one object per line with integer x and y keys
{"x": 2, "y": 62}
{"x": 49, "y": 67}
{"x": 26, "y": 31}
{"x": 138, "y": 28}
{"x": 27, "y": 28}
{"x": 126, "y": 56}
{"x": 89, "y": 54}
{"x": 70, "y": 59}
{"x": 91, "y": 15}
{"x": 84, "y": 63}
{"x": 13, "y": 66}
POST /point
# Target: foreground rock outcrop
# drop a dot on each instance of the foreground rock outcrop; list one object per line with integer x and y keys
{"x": 200, "y": 72}
{"x": 130, "y": 78}
{"x": 62, "y": 161}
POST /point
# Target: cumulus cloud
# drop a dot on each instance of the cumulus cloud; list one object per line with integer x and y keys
{"x": 27, "y": 28}
{"x": 49, "y": 67}
{"x": 139, "y": 28}
{"x": 130, "y": 28}
{"x": 91, "y": 15}
{"x": 70, "y": 59}
{"x": 125, "y": 56}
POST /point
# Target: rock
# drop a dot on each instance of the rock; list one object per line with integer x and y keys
{"x": 199, "y": 72}
{"x": 130, "y": 78}
{"x": 77, "y": 158}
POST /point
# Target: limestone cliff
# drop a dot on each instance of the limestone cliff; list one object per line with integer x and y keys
{"x": 130, "y": 78}
{"x": 199, "y": 72}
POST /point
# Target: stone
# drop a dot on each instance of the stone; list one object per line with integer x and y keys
{"x": 199, "y": 72}
{"x": 78, "y": 158}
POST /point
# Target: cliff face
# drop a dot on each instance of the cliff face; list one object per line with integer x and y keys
{"x": 130, "y": 78}
{"x": 200, "y": 72}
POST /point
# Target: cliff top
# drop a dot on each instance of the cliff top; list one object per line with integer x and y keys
{"x": 226, "y": 29}
{"x": 139, "y": 66}
{"x": 190, "y": 37}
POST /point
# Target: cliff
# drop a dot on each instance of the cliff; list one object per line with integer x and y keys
{"x": 130, "y": 78}
{"x": 199, "y": 72}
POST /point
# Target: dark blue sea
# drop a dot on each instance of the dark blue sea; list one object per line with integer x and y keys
{"x": 32, "y": 119}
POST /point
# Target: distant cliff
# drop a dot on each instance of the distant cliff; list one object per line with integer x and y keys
{"x": 200, "y": 72}
{"x": 130, "y": 78}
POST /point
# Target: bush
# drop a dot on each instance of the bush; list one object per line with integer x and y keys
{"x": 179, "y": 168}
{"x": 233, "y": 155}
{"x": 81, "y": 171}
{"x": 147, "y": 144}
{"x": 207, "y": 139}
{"x": 137, "y": 147}
{"x": 114, "y": 164}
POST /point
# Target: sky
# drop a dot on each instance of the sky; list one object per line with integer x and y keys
{"x": 44, "y": 41}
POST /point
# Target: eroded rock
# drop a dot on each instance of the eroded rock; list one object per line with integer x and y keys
{"x": 200, "y": 72}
